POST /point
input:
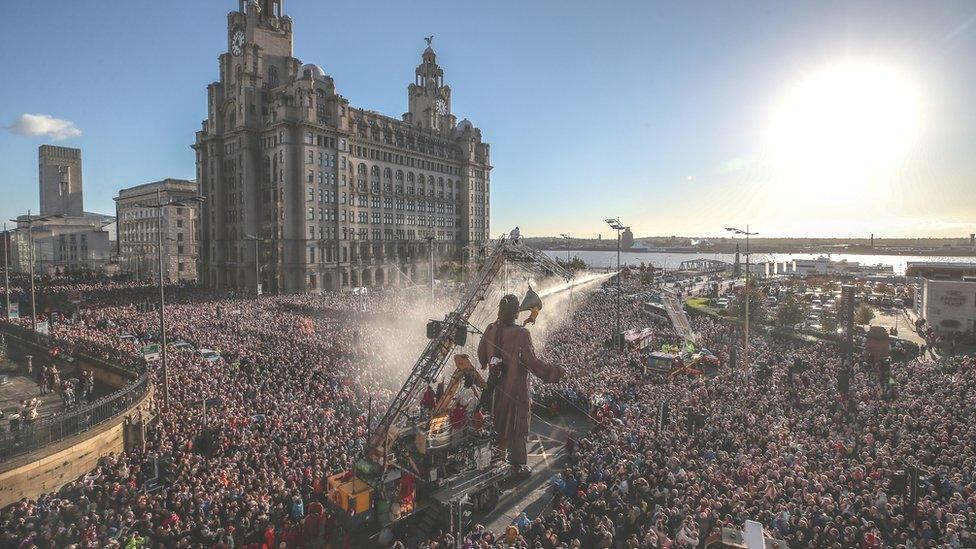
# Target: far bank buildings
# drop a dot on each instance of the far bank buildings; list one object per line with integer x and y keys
{"x": 335, "y": 196}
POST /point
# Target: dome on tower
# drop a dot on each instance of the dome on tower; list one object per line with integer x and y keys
{"x": 312, "y": 70}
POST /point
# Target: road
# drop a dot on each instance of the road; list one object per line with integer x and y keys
{"x": 547, "y": 456}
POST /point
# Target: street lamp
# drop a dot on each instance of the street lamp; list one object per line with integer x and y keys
{"x": 615, "y": 225}
{"x": 158, "y": 206}
{"x": 745, "y": 345}
{"x": 568, "y": 239}
{"x": 30, "y": 251}
{"x": 6, "y": 268}
{"x": 430, "y": 250}
{"x": 257, "y": 263}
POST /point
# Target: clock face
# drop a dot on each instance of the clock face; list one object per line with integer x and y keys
{"x": 237, "y": 42}
{"x": 440, "y": 107}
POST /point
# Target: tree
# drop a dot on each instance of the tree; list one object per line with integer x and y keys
{"x": 864, "y": 314}
{"x": 828, "y": 321}
{"x": 757, "y": 304}
{"x": 790, "y": 312}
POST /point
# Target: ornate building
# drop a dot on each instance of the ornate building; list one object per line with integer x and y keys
{"x": 313, "y": 193}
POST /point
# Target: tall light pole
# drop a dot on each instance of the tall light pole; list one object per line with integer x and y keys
{"x": 430, "y": 264}
{"x": 159, "y": 206}
{"x": 30, "y": 253}
{"x": 747, "y": 293}
{"x": 615, "y": 225}
{"x": 257, "y": 263}
{"x": 6, "y": 269}
{"x": 568, "y": 239}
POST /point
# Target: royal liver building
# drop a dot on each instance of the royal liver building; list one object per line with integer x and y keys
{"x": 305, "y": 192}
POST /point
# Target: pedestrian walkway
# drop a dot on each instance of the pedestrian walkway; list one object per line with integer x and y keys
{"x": 20, "y": 387}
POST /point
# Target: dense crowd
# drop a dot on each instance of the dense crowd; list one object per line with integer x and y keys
{"x": 669, "y": 463}
{"x": 819, "y": 463}
{"x": 287, "y": 405}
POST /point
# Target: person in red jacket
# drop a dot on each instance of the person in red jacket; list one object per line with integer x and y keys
{"x": 429, "y": 400}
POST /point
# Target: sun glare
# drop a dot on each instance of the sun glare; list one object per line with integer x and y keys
{"x": 845, "y": 127}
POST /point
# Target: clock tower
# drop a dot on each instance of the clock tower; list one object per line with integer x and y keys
{"x": 429, "y": 99}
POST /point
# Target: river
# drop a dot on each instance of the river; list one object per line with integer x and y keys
{"x": 671, "y": 260}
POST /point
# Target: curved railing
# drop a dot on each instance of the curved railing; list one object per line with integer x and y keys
{"x": 27, "y": 436}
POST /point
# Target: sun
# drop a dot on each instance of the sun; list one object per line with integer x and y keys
{"x": 845, "y": 127}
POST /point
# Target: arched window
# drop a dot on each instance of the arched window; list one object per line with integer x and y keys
{"x": 387, "y": 173}
{"x": 410, "y": 177}
{"x": 399, "y": 175}
{"x": 375, "y": 171}
{"x": 273, "y": 76}
{"x": 362, "y": 169}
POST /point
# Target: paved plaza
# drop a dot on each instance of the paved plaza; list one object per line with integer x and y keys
{"x": 19, "y": 387}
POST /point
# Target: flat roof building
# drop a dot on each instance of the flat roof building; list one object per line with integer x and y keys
{"x": 138, "y": 232}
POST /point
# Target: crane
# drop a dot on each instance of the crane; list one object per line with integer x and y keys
{"x": 402, "y": 442}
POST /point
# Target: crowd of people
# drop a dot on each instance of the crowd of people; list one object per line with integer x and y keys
{"x": 816, "y": 462}
{"x": 286, "y": 406}
{"x": 668, "y": 464}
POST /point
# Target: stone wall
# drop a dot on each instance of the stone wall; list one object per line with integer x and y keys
{"x": 51, "y": 467}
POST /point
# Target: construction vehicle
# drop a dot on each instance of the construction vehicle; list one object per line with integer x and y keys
{"x": 422, "y": 462}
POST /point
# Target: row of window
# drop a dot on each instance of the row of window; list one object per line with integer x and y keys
{"x": 394, "y": 234}
{"x": 404, "y": 160}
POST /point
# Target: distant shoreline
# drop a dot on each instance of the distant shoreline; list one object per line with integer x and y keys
{"x": 945, "y": 252}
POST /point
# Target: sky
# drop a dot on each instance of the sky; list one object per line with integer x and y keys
{"x": 670, "y": 115}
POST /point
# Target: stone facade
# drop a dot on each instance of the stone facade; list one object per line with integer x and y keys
{"x": 65, "y": 237}
{"x": 336, "y": 196}
{"x": 62, "y": 243}
{"x": 138, "y": 230}
{"x": 60, "y": 184}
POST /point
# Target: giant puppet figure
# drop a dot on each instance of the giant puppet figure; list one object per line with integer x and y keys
{"x": 507, "y": 349}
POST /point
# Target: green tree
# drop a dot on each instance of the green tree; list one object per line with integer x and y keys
{"x": 828, "y": 321}
{"x": 757, "y": 304}
{"x": 864, "y": 314}
{"x": 790, "y": 312}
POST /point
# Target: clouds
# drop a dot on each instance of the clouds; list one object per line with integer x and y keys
{"x": 33, "y": 125}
